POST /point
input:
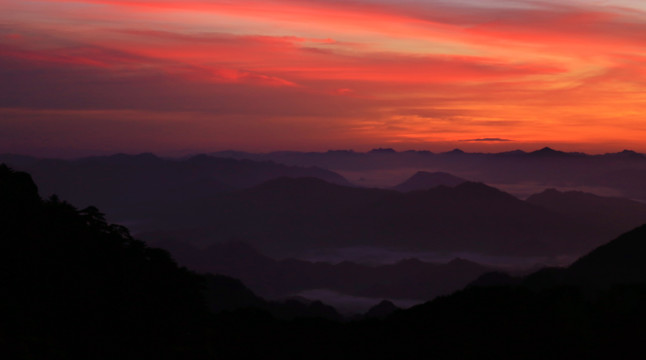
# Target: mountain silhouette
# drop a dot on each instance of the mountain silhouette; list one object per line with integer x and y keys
{"x": 547, "y": 152}
{"x": 74, "y": 286}
{"x": 132, "y": 188}
{"x": 289, "y": 215}
{"x": 623, "y": 172}
{"x": 423, "y": 180}
{"x": 225, "y": 293}
{"x": 214, "y": 199}
{"x": 406, "y": 279}
{"x": 611, "y": 215}
{"x": 559, "y": 321}
{"x": 626, "y": 154}
{"x": 620, "y": 261}
{"x": 381, "y": 310}
{"x": 591, "y": 309}
{"x": 454, "y": 152}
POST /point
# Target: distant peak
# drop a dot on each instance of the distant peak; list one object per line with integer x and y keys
{"x": 200, "y": 157}
{"x": 547, "y": 151}
{"x": 386, "y": 303}
{"x": 424, "y": 180}
{"x": 381, "y": 310}
{"x": 383, "y": 151}
{"x": 455, "y": 152}
{"x": 627, "y": 154}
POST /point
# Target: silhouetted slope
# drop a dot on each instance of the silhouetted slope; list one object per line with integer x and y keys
{"x": 224, "y": 293}
{"x": 610, "y": 213}
{"x": 407, "y": 279}
{"x": 423, "y": 180}
{"x": 561, "y": 321}
{"x": 495, "y": 278}
{"x": 618, "y": 262}
{"x": 73, "y": 286}
{"x": 381, "y": 310}
{"x": 597, "y": 303}
{"x": 621, "y": 261}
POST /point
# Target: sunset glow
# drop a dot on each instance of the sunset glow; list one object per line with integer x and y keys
{"x": 87, "y": 76}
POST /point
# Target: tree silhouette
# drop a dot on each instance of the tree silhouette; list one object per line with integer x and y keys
{"x": 74, "y": 286}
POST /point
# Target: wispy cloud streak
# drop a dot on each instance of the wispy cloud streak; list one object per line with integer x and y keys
{"x": 369, "y": 72}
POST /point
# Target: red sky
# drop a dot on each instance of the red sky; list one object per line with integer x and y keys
{"x": 101, "y": 76}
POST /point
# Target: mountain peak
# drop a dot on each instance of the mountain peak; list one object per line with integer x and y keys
{"x": 455, "y": 152}
{"x": 424, "y": 180}
{"x": 382, "y": 310}
{"x": 547, "y": 151}
{"x": 627, "y": 154}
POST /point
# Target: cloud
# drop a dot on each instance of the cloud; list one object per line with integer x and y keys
{"x": 376, "y": 71}
{"x": 486, "y": 140}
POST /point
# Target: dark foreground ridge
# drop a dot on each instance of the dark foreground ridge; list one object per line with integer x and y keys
{"x": 591, "y": 310}
{"x": 75, "y": 287}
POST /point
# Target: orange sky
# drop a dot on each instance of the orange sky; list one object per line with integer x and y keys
{"x": 96, "y": 76}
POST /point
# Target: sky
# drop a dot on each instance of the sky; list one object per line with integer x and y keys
{"x": 80, "y": 77}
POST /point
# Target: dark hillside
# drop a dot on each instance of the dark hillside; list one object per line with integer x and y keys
{"x": 74, "y": 286}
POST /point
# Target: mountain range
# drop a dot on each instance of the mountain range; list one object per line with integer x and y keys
{"x": 76, "y": 287}
{"x": 567, "y": 314}
{"x": 128, "y": 187}
{"x": 286, "y": 216}
{"x": 619, "y": 174}
{"x": 283, "y": 210}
